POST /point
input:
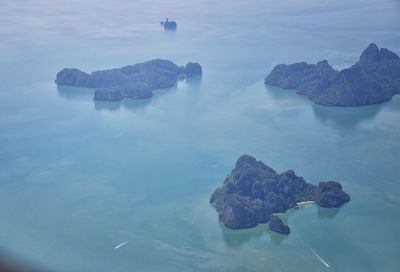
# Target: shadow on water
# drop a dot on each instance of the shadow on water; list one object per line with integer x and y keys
{"x": 235, "y": 239}
{"x": 276, "y": 238}
{"x": 75, "y": 93}
{"x": 106, "y": 106}
{"x": 280, "y": 94}
{"x": 341, "y": 117}
{"x": 194, "y": 81}
{"x": 86, "y": 94}
{"x": 322, "y": 213}
{"x": 170, "y": 31}
{"x": 328, "y": 213}
{"x": 345, "y": 117}
{"x": 128, "y": 104}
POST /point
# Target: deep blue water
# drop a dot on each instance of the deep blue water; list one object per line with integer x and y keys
{"x": 77, "y": 178}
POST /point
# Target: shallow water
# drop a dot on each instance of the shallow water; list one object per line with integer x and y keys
{"x": 78, "y": 178}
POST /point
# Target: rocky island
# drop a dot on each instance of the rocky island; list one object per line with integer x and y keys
{"x": 169, "y": 25}
{"x": 130, "y": 82}
{"x": 374, "y": 79}
{"x": 276, "y": 224}
{"x": 253, "y": 192}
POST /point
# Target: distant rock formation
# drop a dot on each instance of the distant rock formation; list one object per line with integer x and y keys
{"x": 374, "y": 79}
{"x": 253, "y": 192}
{"x": 130, "y": 82}
{"x": 276, "y": 224}
{"x": 193, "y": 69}
{"x": 169, "y": 25}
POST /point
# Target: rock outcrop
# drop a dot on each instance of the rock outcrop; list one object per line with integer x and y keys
{"x": 253, "y": 192}
{"x": 193, "y": 69}
{"x": 169, "y": 25}
{"x": 276, "y": 224}
{"x": 374, "y": 79}
{"x": 133, "y": 81}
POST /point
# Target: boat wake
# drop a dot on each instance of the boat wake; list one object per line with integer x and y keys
{"x": 315, "y": 253}
{"x": 319, "y": 257}
{"x": 122, "y": 244}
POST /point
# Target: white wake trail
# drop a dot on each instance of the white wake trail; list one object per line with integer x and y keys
{"x": 122, "y": 244}
{"x": 315, "y": 253}
{"x": 319, "y": 257}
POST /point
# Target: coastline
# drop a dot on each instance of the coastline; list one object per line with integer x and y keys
{"x": 305, "y": 202}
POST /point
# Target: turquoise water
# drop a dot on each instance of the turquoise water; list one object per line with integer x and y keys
{"x": 78, "y": 178}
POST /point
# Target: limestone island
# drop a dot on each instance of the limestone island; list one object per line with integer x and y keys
{"x": 253, "y": 192}
{"x": 168, "y": 25}
{"x": 374, "y": 79}
{"x": 130, "y": 82}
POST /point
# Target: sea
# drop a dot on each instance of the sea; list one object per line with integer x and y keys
{"x": 125, "y": 186}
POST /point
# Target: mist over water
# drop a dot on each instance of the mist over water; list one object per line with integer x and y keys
{"x": 79, "y": 178}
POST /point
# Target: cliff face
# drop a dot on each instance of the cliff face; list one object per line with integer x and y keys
{"x": 132, "y": 81}
{"x": 253, "y": 192}
{"x": 374, "y": 79}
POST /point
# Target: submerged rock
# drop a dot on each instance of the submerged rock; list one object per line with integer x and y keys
{"x": 374, "y": 79}
{"x": 276, "y": 224}
{"x": 253, "y": 192}
{"x": 132, "y": 81}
